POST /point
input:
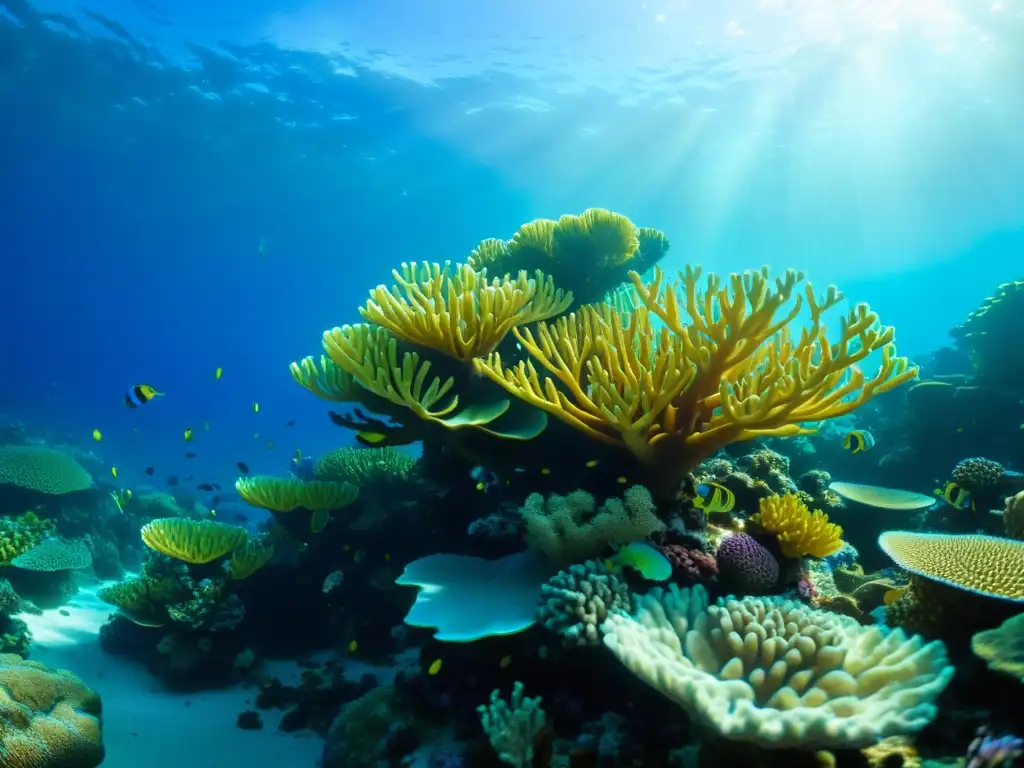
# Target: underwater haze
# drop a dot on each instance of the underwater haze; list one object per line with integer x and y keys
{"x": 191, "y": 193}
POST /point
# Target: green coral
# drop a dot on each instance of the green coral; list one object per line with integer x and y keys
{"x": 43, "y": 470}
{"x": 54, "y": 555}
{"x": 512, "y": 726}
{"x": 365, "y": 466}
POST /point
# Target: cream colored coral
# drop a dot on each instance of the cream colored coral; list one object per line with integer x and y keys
{"x": 1013, "y": 516}
{"x": 777, "y": 673}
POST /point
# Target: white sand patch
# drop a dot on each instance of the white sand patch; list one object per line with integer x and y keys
{"x": 147, "y": 727}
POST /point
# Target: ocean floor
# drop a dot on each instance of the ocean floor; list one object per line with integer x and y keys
{"x": 145, "y": 726}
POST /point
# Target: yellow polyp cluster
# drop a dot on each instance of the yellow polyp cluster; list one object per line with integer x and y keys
{"x": 457, "y": 311}
{"x": 721, "y": 366}
{"x": 801, "y": 532}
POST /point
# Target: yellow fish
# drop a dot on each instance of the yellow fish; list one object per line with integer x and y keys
{"x": 956, "y": 496}
{"x": 434, "y": 667}
{"x": 592, "y": 463}
{"x": 858, "y": 441}
{"x": 113, "y": 471}
{"x": 622, "y": 480}
{"x": 188, "y": 435}
{"x": 255, "y": 407}
{"x": 353, "y": 647}
{"x": 139, "y": 395}
{"x": 371, "y": 438}
{"x": 892, "y": 595}
{"x": 217, "y": 374}
{"x": 714, "y": 497}
{"x": 97, "y": 435}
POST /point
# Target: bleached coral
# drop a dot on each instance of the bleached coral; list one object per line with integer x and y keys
{"x": 778, "y": 673}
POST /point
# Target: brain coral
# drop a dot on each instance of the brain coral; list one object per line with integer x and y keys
{"x": 745, "y": 565}
{"x": 48, "y": 718}
{"x": 986, "y": 565}
{"x": 41, "y": 469}
{"x": 777, "y": 673}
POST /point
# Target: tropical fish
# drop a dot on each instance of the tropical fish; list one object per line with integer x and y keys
{"x": 97, "y": 435}
{"x": 883, "y": 498}
{"x": 189, "y": 455}
{"x": 205, "y": 487}
{"x": 434, "y": 668}
{"x": 255, "y": 407}
{"x": 622, "y": 480}
{"x": 371, "y": 438}
{"x": 121, "y": 498}
{"x": 647, "y": 559}
{"x": 188, "y": 435}
{"x": 892, "y": 595}
{"x": 217, "y": 374}
{"x": 333, "y": 581}
{"x": 592, "y": 463}
{"x": 149, "y": 470}
{"x": 353, "y": 647}
{"x": 858, "y": 441}
{"x": 486, "y": 480}
{"x": 113, "y": 471}
{"x": 242, "y": 467}
{"x": 714, "y": 497}
{"x": 140, "y": 394}
{"x": 172, "y": 480}
{"x": 956, "y": 496}
{"x": 505, "y": 661}
{"x": 290, "y": 423}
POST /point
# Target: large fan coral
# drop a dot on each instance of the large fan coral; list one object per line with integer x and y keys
{"x": 777, "y": 673}
{"x": 722, "y": 366}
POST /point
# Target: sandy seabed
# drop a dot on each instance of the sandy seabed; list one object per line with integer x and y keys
{"x": 145, "y": 726}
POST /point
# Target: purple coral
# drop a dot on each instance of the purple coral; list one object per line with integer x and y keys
{"x": 987, "y": 751}
{"x": 747, "y": 566}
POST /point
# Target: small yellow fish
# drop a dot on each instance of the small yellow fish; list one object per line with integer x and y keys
{"x": 592, "y": 463}
{"x": 892, "y": 595}
{"x": 353, "y": 647}
{"x": 714, "y": 497}
{"x": 622, "y": 480}
{"x": 97, "y": 435}
{"x": 481, "y": 487}
{"x": 434, "y": 667}
{"x": 255, "y": 407}
{"x": 217, "y": 374}
{"x": 371, "y": 438}
{"x": 858, "y": 441}
{"x": 956, "y": 496}
{"x": 113, "y": 471}
{"x": 188, "y": 435}
{"x": 545, "y": 471}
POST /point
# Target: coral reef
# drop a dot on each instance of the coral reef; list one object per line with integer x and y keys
{"x": 577, "y": 601}
{"x": 800, "y": 531}
{"x": 43, "y": 470}
{"x": 747, "y": 566}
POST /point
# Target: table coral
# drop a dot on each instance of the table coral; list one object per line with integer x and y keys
{"x": 42, "y": 470}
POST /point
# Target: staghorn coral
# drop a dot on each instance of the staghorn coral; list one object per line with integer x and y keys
{"x": 985, "y": 565}
{"x": 1002, "y": 649}
{"x": 722, "y": 367}
{"x": 577, "y": 600}
{"x": 362, "y": 466}
{"x": 512, "y": 726}
{"x": 745, "y": 565}
{"x": 42, "y": 470}
{"x": 570, "y": 529}
{"x": 193, "y": 541}
{"x": 777, "y": 673}
{"x": 455, "y": 310}
{"x": 800, "y": 531}
{"x": 50, "y": 718}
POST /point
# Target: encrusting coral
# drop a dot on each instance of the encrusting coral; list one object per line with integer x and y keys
{"x": 457, "y": 311}
{"x": 800, "y": 531}
{"x": 571, "y": 529}
{"x": 51, "y": 719}
{"x": 778, "y": 673}
{"x": 722, "y": 367}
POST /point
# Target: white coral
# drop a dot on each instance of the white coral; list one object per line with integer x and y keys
{"x": 777, "y": 673}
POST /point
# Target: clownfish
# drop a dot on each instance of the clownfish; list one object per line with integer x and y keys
{"x": 714, "y": 497}
{"x": 140, "y": 394}
{"x": 858, "y": 441}
{"x": 956, "y": 496}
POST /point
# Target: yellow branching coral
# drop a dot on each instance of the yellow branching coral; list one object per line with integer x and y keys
{"x": 327, "y": 381}
{"x": 456, "y": 310}
{"x": 800, "y": 531}
{"x": 248, "y": 559}
{"x": 721, "y": 367}
{"x": 280, "y": 494}
{"x": 490, "y": 251}
{"x": 193, "y": 541}
{"x": 985, "y": 565}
